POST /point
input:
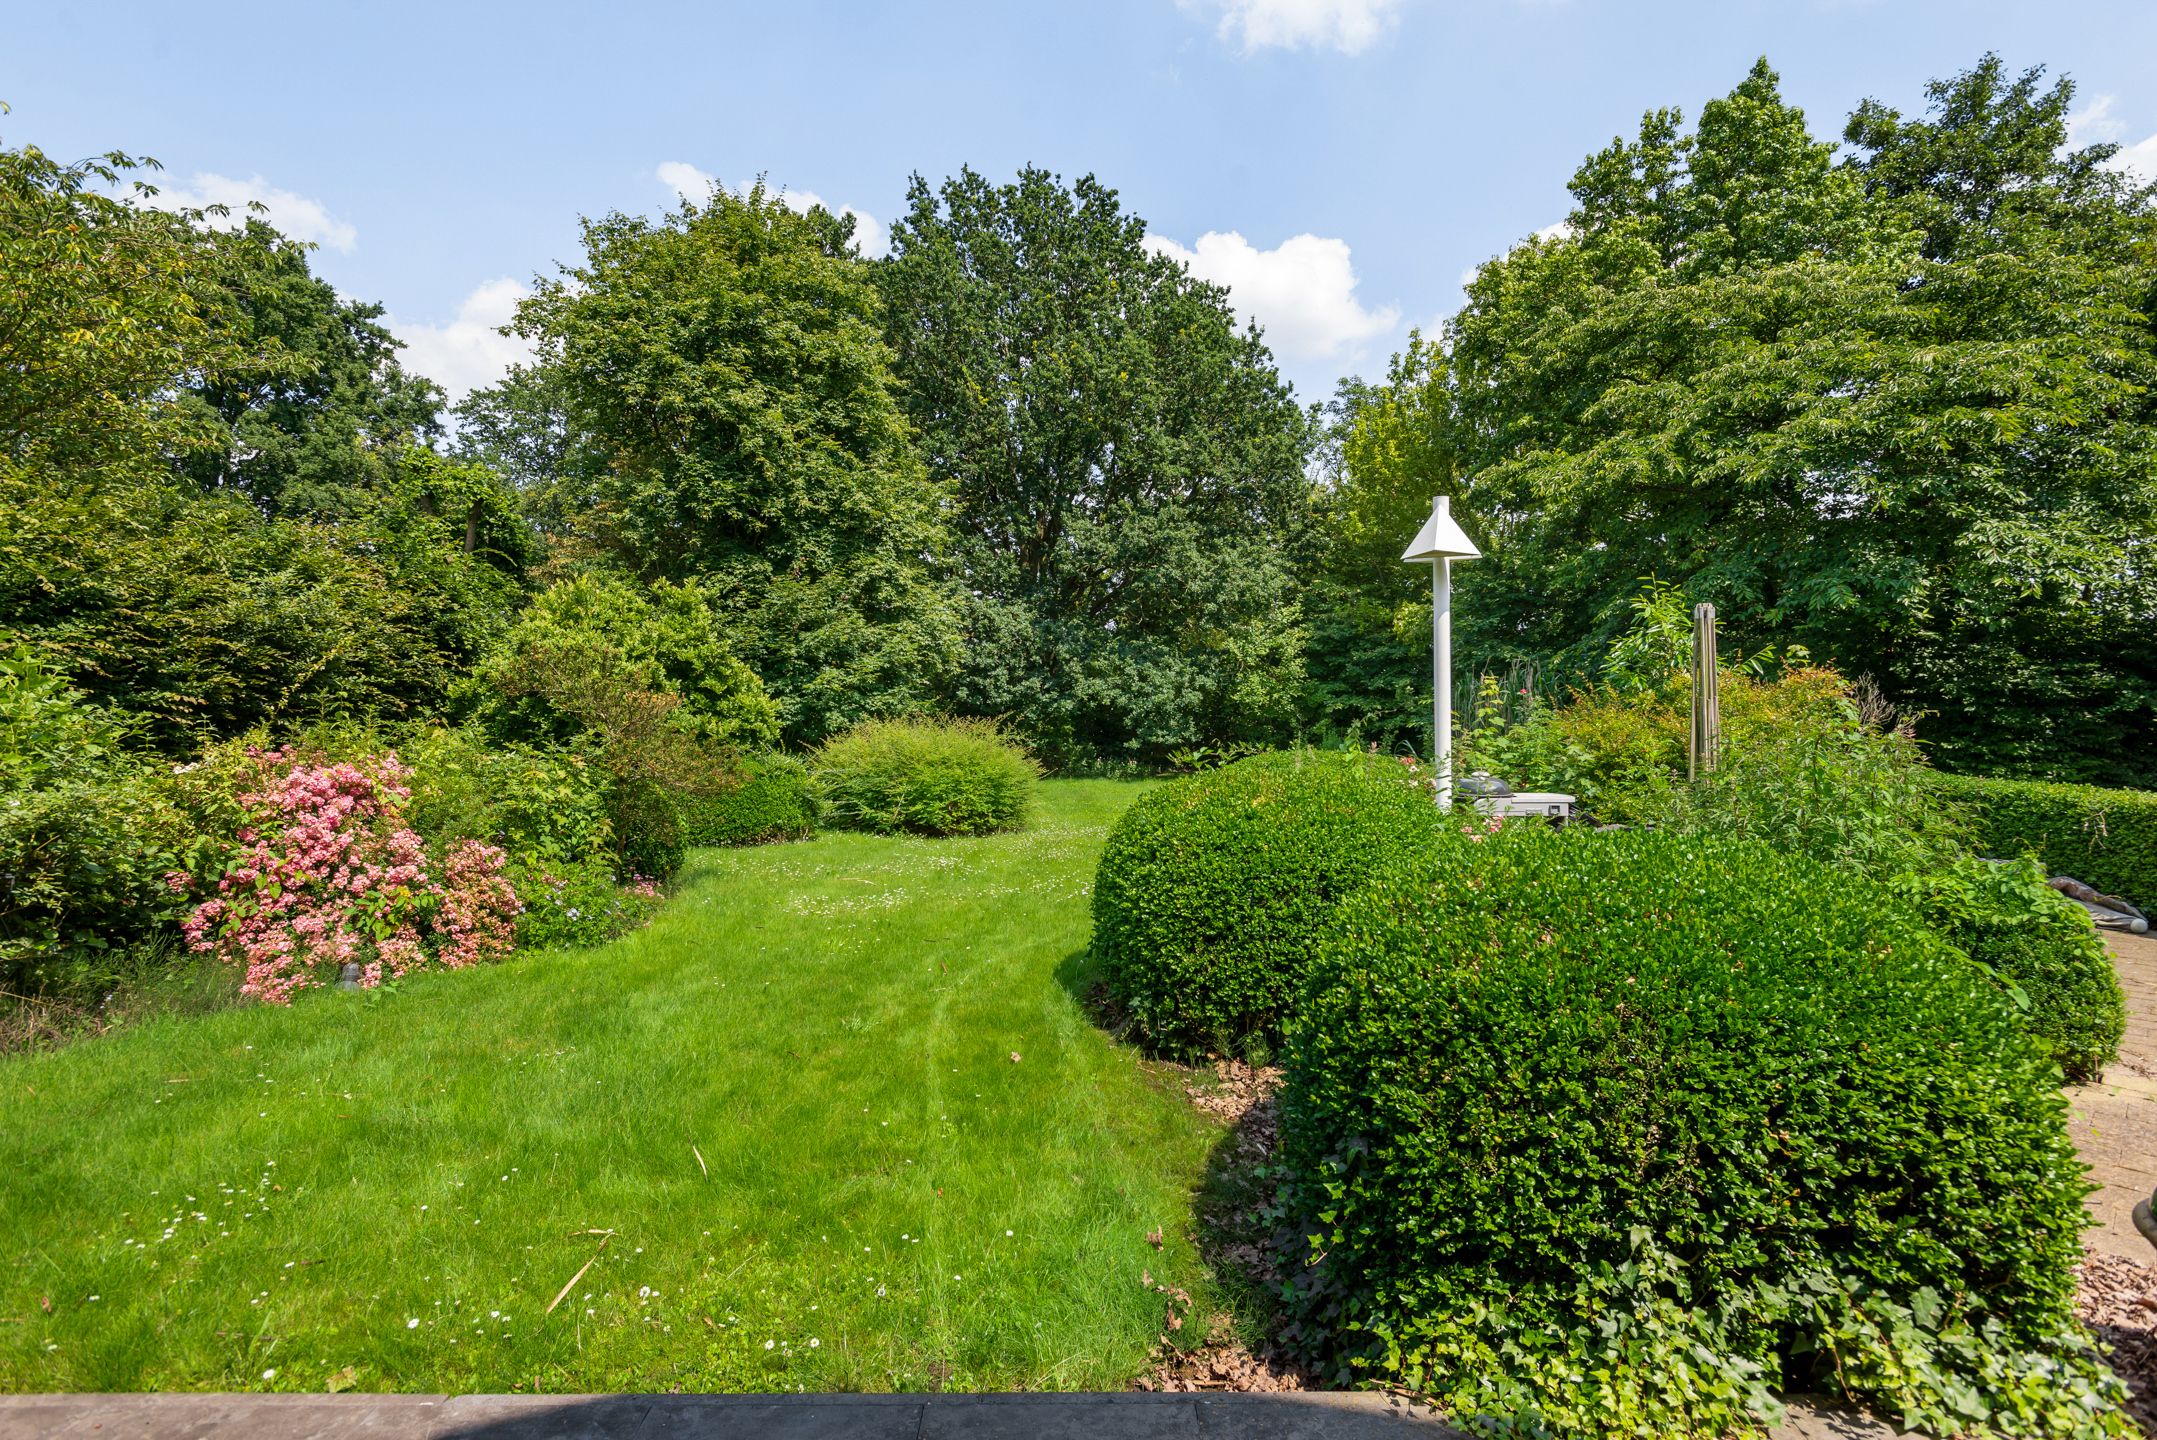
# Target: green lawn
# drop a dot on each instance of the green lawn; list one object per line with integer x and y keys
{"x": 924, "y": 1164}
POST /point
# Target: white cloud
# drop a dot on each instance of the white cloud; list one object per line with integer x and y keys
{"x": 469, "y": 352}
{"x": 298, "y": 216}
{"x": 1303, "y": 291}
{"x": 1349, "y": 26}
{"x": 690, "y": 183}
{"x": 686, "y": 180}
{"x": 2140, "y": 158}
{"x": 2094, "y": 123}
{"x": 2097, "y": 124}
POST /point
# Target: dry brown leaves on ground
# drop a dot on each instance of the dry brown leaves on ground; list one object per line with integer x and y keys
{"x": 2117, "y": 1299}
{"x": 1232, "y": 1235}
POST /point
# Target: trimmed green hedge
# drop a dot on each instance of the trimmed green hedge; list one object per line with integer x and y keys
{"x": 776, "y": 800}
{"x": 2005, "y": 917}
{"x": 925, "y": 776}
{"x": 1213, "y": 889}
{"x": 1620, "y": 1133}
{"x": 2105, "y": 838}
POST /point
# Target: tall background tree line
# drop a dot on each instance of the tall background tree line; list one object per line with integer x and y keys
{"x": 1892, "y": 403}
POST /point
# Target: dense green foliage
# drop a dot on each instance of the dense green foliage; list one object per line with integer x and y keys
{"x": 1617, "y": 1133}
{"x": 316, "y": 425}
{"x": 543, "y": 805}
{"x": 646, "y": 683}
{"x": 1384, "y": 453}
{"x": 726, "y": 368}
{"x": 170, "y": 384}
{"x": 1896, "y": 408}
{"x": 86, "y": 837}
{"x": 2040, "y": 943}
{"x": 2104, "y": 838}
{"x": 1809, "y": 763}
{"x": 1125, "y": 471}
{"x": 774, "y": 797}
{"x": 1816, "y": 779}
{"x": 925, "y": 776}
{"x": 1214, "y": 889}
{"x": 204, "y": 620}
{"x": 103, "y": 310}
{"x": 663, "y": 638}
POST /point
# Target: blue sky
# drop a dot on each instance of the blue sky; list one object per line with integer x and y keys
{"x": 1338, "y": 163}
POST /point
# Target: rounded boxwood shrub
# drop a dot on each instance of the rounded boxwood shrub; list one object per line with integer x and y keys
{"x": 2040, "y": 944}
{"x": 775, "y": 799}
{"x": 1622, "y": 1133}
{"x": 925, "y": 776}
{"x": 1212, "y": 890}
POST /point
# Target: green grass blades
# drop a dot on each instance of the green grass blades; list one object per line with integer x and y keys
{"x": 920, "y": 1164}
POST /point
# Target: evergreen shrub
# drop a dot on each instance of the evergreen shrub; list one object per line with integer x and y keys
{"x": 1623, "y": 1133}
{"x": 2105, "y": 838}
{"x": 2039, "y": 944}
{"x": 774, "y": 800}
{"x": 926, "y": 776}
{"x": 1213, "y": 889}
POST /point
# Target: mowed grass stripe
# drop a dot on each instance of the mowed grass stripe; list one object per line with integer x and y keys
{"x": 830, "y": 1024}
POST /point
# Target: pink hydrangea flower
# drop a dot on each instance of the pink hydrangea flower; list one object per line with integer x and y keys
{"x": 329, "y": 872}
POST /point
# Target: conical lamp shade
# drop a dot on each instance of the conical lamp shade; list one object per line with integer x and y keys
{"x": 1441, "y": 537}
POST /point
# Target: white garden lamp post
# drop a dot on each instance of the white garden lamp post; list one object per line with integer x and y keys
{"x": 1438, "y": 544}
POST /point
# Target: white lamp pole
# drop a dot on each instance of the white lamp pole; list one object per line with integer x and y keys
{"x": 1442, "y": 676}
{"x": 1438, "y": 544}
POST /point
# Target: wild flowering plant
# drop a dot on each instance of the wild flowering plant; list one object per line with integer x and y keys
{"x": 328, "y": 872}
{"x": 578, "y": 903}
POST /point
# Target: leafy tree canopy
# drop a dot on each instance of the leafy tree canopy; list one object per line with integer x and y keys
{"x": 724, "y": 370}
{"x": 158, "y": 403}
{"x": 1124, "y": 466}
{"x": 1386, "y": 451}
{"x": 103, "y": 316}
{"x": 317, "y": 419}
{"x": 1873, "y": 407}
{"x": 203, "y": 619}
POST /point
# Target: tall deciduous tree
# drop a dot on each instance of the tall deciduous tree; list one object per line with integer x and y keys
{"x": 725, "y": 369}
{"x": 191, "y": 610}
{"x": 1859, "y": 406}
{"x": 102, "y": 319}
{"x": 1388, "y": 450}
{"x": 315, "y": 423}
{"x": 1125, "y": 468}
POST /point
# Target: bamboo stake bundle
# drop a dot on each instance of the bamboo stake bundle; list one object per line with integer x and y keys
{"x": 1707, "y": 736}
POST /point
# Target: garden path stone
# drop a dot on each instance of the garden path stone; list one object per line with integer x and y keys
{"x": 1120, "y": 1416}
{"x": 2114, "y": 1120}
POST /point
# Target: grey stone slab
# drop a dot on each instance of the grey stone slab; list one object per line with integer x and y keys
{"x": 31, "y": 1417}
{"x": 199, "y": 1417}
{"x": 1311, "y": 1416}
{"x": 541, "y": 1417}
{"x": 1320, "y": 1415}
{"x": 1062, "y": 1417}
{"x": 784, "y": 1417}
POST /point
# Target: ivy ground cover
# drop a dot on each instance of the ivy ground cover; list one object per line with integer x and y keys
{"x": 835, "y": 1120}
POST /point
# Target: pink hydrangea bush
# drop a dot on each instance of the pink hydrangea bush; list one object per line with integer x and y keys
{"x": 327, "y": 872}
